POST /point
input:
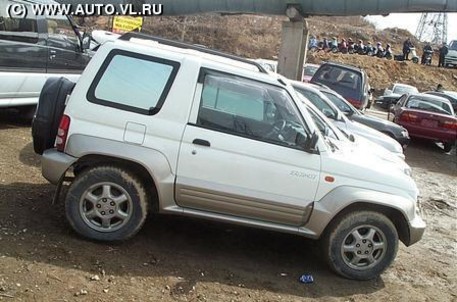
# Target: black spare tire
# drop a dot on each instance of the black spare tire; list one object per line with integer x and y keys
{"x": 51, "y": 105}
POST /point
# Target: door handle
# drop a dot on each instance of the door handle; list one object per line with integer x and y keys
{"x": 201, "y": 142}
{"x": 52, "y": 51}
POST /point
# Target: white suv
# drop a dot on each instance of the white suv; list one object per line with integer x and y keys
{"x": 169, "y": 127}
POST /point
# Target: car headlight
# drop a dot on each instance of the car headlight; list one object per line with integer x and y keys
{"x": 405, "y": 133}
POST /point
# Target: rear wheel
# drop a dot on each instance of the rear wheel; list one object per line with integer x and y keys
{"x": 106, "y": 203}
{"x": 361, "y": 245}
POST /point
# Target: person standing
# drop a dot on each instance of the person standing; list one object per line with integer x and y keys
{"x": 443, "y": 52}
{"x": 428, "y": 50}
{"x": 407, "y": 48}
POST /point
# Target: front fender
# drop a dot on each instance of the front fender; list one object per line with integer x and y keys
{"x": 342, "y": 197}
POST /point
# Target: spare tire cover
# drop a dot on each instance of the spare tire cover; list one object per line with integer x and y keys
{"x": 51, "y": 105}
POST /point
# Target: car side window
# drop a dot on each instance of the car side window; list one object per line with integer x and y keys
{"x": 133, "y": 82}
{"x": 401, "y": 101}
{"x": 317, "y": 101}
{"x": 16, "y": 28}
{"x": 61, "y": 33}
{"x": 248, "y": 108}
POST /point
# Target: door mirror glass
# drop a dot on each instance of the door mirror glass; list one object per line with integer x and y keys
{"x": 328, "y": 113}
{"x": 86, "y": 41}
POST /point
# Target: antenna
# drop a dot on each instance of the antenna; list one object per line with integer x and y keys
{"x": 432, "y": 28}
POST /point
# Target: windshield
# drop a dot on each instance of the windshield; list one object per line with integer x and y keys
{"x": 453, "y": 45}
{"x": 404, "y": 90}
{"x": 309, "y": 70}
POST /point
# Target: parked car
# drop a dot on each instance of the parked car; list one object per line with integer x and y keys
{"x": 397, "y": 132}
{"x": 33, "y": 49}
{"x": 209, "y": 135}
{"x": 318, "y": 99}
{"x": 427, "y": 116}
{"x": 450, "y": 95}
{"x": 451, "y": 58}
{"x": 349, "y": 81}
{"x": 392, "y": 95}
{"x": 308, "y": 71}
{"x": 269, "y": 65}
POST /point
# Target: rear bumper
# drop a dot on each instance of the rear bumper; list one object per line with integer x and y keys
{"x": 436, "y": 134}
{"x": 54, "y": 164}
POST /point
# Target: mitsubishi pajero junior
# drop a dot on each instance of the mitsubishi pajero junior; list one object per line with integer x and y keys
{"x": 156, "y": 125}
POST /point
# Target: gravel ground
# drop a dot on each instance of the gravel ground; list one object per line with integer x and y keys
{"x": 181, "y": 259}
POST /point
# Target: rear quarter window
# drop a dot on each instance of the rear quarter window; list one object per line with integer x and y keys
{"x": 133, "y": 82}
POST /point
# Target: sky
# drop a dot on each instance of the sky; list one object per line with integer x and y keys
{"x": 410, "y": 22}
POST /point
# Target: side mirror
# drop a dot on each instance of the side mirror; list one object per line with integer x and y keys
{"x": 329, "y": 113}
{"x": 307, "y": 143}
{"x": 86, "y": 41}
{"x": 351, "y": 137}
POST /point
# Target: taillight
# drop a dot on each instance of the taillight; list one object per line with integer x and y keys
{"x": 354, "y": 102}
{"x": 62, "y": 132}
{"x": 407, "y": 117}
{"x": 450, "y": 125}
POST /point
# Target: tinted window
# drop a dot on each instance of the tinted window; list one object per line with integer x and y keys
{"x": 133, "y": 82}
{"x": 346, "y": 82}
{"x": 250, "y": 109}
{"x": 17, "y": 29}
{"x": 309, "y": 70}
{"x": 61, "y": 34}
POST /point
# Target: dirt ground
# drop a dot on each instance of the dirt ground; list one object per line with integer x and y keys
{"x": 181, "y": 259}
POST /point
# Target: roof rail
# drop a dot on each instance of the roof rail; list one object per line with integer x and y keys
{"x": 130, "y": 35}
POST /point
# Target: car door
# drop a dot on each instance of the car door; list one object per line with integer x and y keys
{"x": 238, "y": 155}
{"x": 65, "y": 55}
{"x": 23, "y": 57}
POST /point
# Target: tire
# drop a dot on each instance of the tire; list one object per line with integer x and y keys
{"x": 415, "y": 60}
{"x": 106, "y": 204}
{"x": 447, "y": 147}
{"x": 51, "y": 105}
{"x": 371, "y": 234}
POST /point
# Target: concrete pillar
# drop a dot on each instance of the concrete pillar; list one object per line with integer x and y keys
{"x": 294, "y": 45}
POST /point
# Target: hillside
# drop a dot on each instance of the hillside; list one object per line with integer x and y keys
{"x": 259, "y": 37}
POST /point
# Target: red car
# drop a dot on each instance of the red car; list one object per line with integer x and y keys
{"x": 427, "y": 116}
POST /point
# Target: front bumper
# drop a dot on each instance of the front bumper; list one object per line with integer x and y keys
{"x": 416, "y": 230}
{"x": 54, "y": 164}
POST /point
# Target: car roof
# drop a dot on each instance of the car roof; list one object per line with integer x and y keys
{"x": 140, "y": 41}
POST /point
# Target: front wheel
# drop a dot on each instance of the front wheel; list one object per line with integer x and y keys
{"x": 106, "y": 203}
{"x": 447, "y": 147}
{"x": 361, "y": 245}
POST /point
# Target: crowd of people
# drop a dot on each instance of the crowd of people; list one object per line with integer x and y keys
{"x": 344, "y": 45}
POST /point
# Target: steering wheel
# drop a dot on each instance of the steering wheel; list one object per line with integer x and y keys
{"x": 277, "y": 128}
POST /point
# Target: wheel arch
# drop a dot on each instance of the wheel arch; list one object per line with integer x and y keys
{"x": 93, "y": 160}
{"x": 394, "y": 215}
